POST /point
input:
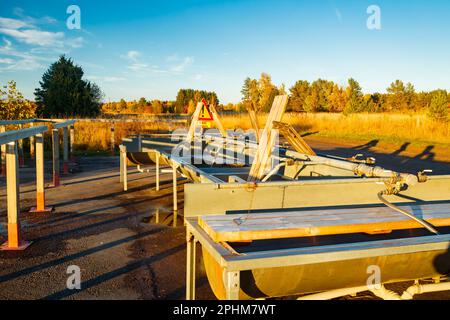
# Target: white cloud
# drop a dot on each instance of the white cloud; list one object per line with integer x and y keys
{"x": 6, "y": 60}
{"x": 21, "y": 61}
{"x": 35, "y": 37}
{"x": 197, "y": 77}
{"x": 19, "y": 12}
{"x": 138, "y": 67}
{"x": 173, "y": 57}
{"x": 75, "y": 42}
{"x": 12, "y": 23}
{"x": 187, "y": 61}
{"x": 25, "y": 30}
{"x": 105, "y": 78}
{"x": 132, "y": 55}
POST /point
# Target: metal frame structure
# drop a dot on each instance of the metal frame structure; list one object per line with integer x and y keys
{"x": 10, "y": 139}
{"x": 233, "y": 264}
{"x": 299, "y": 180}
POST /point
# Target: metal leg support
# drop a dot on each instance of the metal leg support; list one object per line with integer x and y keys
{"x": 190, "y": 266}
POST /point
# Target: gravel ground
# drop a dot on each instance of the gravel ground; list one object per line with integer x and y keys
{"x": 111, "y": 235}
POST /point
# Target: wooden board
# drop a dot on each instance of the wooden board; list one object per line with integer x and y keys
{"x": 262, "y": 160}
{"x": 294, "y": 139}
{"x": 275, "y": 225}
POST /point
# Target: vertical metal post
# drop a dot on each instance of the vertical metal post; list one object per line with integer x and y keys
{"x": 40, "y": 179}
{"x": 72, "y": 142}
{"x": 232, "y": 285}
{"x": 65, "y": 150}
{"x": 139, "y": 141}
{"x": 113, "y": 142}
{"x": 32, "y": 148}
{"x": 124, "y": 169}
{"x": 174, "y": 182}
{"x": 190, "y": 266}
{"x": 55, "y": 149}
{"x": 3, "y": 154}
{"x": 157, "y": 171}
{"x": 157, "y": 216}
{"x": 175, "y": 195}
{"x": 20, "y": 146}
{"x": 121, "y": 162}
{"x": 13, "y": 199}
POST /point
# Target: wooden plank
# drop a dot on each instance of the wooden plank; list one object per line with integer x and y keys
{"x": 194, "y": 122}
{"x": 261, "y": 162}
{"x": 294, "y": 139}
{"x": 251, "y": 109}
{"x": 217, "y": 121}
{"x": 274, "y": 225}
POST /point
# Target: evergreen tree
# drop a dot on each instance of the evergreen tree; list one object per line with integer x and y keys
{"x": 439, "y": 106}
{"x": 64, "y": 93}
{"x": 354, "y": 96}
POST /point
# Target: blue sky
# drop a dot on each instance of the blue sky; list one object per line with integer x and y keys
{"x": 152, "y": 48}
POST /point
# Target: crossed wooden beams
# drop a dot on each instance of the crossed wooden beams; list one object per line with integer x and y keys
{"x": 196, "y": 121}
{"x": 262, "y": 161}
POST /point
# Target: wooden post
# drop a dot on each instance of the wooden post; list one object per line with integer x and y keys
{"x": 65, "y": 150}
{"x": 72, "y": 142}
{"x": 113, "y": 142}
{"x": 13, "y": 200}
{"x": 55, "y": 149}
{"x": 40, "y": 179}
{"x": 3, "y": 154}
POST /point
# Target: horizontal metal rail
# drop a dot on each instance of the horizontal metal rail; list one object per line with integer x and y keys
{"x": 12, "y": 122}
{"x": 15, "y": 135}
{"x": 64, "y": 124}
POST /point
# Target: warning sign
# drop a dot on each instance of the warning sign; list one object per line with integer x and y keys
{"x": 205, "y": 113}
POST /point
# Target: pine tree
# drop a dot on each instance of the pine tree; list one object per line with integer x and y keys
{"x": 64, "y": 93}
{"x": 439, "y": 106}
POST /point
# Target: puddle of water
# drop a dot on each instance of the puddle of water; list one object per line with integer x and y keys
{"x": 164, "y": 217}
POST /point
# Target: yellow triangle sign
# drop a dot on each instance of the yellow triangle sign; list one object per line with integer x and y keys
{"x": 205, "y": 113}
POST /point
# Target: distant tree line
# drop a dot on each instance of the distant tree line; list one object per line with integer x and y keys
{"x": 139, "y": 106}
{"x": 327, "y": 96}
{"x": 187, "y": 99}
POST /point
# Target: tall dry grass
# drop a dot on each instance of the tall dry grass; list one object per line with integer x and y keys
{"x": 388, "y": 127}
{"x": 96, "y": 136}
{"x": 396, "y": 128}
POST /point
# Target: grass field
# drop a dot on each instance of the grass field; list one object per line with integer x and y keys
{"x": 388, "y": 129}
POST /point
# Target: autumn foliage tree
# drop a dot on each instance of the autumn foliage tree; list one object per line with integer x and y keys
{"x": 13, "y": 105}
